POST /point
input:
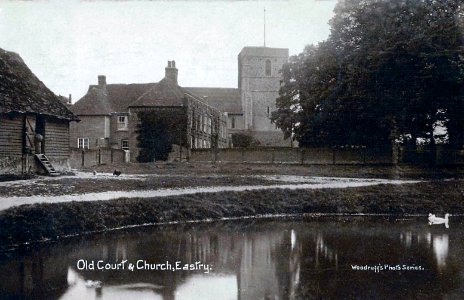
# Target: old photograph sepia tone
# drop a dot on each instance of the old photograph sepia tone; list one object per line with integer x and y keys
{"x": 231, "y": 149}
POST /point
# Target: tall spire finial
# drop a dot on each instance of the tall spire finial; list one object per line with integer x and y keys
{"x": 264, "y": 26}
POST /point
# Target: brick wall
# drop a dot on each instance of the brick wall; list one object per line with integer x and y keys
{"x": 293, "y": 155}
{"x": 91, "y": 127}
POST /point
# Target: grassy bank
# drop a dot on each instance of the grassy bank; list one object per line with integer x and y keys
{"x": 49, "y": 221}
{"x": 358, "y": 171}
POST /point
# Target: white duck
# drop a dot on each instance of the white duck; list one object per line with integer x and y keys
{"x": 436, "y": 220}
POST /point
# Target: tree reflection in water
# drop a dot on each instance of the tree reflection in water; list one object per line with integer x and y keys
{"x": 279, "y": 259}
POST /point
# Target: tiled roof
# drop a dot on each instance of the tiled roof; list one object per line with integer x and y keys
{"x": 164, "y": 93}
{"x": 116, "y": 98}
{"x": 21, "y": 91}
{"x": 119, "y": 97}
{"x": 223, "y": 99}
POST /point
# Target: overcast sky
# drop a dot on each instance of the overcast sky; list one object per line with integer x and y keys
{"x": 68, "y": 43}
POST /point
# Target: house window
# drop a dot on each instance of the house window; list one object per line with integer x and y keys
{"x": 122, "y": 122}
{"x": 125, "y": 145}
{"x": 268, "y": 111}
{"x": 268, "y": 67}
{"x": 83, "y": 143}
{"x": 107, "y": 127}
{"x": 209, "y": 125}
{"x": 233, "y": 122}
{"x": 204, "y": 124}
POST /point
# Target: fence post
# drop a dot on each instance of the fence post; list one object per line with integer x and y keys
{"x": 302, "y": 156}
{"x": 82, "y": 158}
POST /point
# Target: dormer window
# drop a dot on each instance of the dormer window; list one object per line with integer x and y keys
{"x": 122, "y": 122}
{"x": 268, "y": 67}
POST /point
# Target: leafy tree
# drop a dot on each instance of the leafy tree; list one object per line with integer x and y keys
{"x": 390, "y": 70}
{"x": 157, "y": 131}
{"x": 243, "y": 140}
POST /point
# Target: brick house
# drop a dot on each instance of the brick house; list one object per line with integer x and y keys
{"x": 105, "y": 109}
{"x": 110, "y": 115}
{"x": 226, "y": 100}
{"x": 34, "y": 122}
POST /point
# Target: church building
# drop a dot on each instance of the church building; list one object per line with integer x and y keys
{"x": 108, "y": 112}
{"x": 249, "y": 106}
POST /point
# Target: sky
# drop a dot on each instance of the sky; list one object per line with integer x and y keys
{"x": 67, "y": 44}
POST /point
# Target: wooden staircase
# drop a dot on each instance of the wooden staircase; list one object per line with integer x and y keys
{"x": 45, "y": 163}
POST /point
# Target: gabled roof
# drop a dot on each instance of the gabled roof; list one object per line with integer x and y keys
{"x": 164, "y": 93}
{"x": 93, "y": 103}
{"x": 122, "y": 95}
{"x": 21, "y": 91}
{"x": 116, "y": 98}
{"x": 223, "y": 99}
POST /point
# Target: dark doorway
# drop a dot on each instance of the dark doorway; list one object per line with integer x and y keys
{"x": 40, "y": 129}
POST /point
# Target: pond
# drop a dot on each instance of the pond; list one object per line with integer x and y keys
{"x": 293, "y": 258}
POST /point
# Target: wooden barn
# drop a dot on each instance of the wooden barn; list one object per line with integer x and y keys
{"x": 34, "y": 122}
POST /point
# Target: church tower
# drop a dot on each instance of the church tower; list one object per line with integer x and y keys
{"x": 259, "y": 79}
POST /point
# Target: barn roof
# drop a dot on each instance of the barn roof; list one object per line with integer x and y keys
{"x": 223, "y": 99}
{"x": 21, "y": 91}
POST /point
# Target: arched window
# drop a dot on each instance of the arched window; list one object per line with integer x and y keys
{"x": 268, "y": 67}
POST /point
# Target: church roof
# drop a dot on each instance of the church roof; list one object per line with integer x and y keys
{"x": 21, "y": 91}
{"x": 223, "y": 99}
{"x": 264, "y": 51}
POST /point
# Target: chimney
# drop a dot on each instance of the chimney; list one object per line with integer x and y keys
{"x": 171, "y": 71}
{"x": 70, "y": 98}
{"x": 101, "y": 81}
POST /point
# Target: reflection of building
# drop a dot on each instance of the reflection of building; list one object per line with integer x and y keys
{"x": 439, "y": 243}
{"x": 269, "y": 260}
{"x": 440, "y": 248}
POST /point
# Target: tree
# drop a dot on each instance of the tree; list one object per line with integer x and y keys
{"x": 390, "y": 70}
{"x": 157, "y": 131}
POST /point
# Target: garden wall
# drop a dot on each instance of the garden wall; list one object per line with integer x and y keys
{"x": 293, "y": 155}
{"x": 86, "y": 158}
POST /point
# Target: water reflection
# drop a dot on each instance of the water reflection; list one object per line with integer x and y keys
{"x": 440, "y": 248}
{"x": 290, "y": 259}
{"x": 438, "y": 242}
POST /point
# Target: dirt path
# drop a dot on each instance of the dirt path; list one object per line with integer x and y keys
{"x": 287, "y": 182}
